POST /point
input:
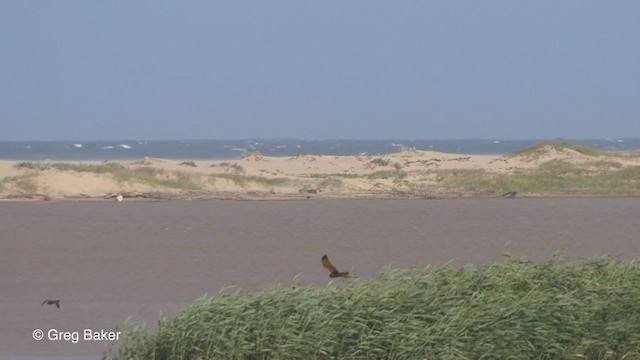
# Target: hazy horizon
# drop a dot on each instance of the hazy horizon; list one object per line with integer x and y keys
{"x": 80, "y": 150}
{"x": 332, "y": 70}
{"x": 611, "y": 139}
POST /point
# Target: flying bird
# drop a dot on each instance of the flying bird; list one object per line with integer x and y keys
{"x": 332, "y": 269}
{"x": 52, "y": 302}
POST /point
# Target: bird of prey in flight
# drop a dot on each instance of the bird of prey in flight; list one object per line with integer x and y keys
{"x": 52, "y": 302}
{"x": 332, "y": 269}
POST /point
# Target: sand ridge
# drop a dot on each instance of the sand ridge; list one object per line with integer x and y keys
{"x": 405, "y": 173}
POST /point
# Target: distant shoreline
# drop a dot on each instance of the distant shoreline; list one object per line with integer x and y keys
{"x": 546, "y": 169}
{"x": 122, "y": 150}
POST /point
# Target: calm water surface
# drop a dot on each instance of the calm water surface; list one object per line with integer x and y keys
{"x": 107, "y": 261}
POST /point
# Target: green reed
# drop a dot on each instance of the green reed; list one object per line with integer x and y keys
{"x": 512, "y": 309}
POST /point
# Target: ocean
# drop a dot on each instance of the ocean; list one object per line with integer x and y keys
{"x": 232, "y": 149}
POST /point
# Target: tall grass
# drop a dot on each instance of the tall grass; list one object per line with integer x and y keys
{"x": 509, "y": 310}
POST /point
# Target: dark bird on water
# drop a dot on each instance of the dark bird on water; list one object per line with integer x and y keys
{"x": 332, "y": 269}
{"x": 510, "y": 194}
{"x": 52, "y": 302}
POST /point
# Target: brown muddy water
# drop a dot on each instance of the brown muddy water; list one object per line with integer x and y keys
{"x": 108, "y": 261}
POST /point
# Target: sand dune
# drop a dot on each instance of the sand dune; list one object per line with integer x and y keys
{"x": 405, "y": 173}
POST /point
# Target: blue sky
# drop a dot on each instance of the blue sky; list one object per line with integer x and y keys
{"x": 324, "y": 69}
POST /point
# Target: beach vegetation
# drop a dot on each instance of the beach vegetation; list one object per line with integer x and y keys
{"x": 251, "y": 155}
{"x": 27, "y": 184}
{"x": 387, "y": 174}
{"x": 234, "y": 167}
{"x": 543, "y": 148}
{"x": 188, "y": 163}
{"x": 154, "y": 176}
{"x": 512, "y": 309}
{"x": 243, "y": 180}
{"x": 105, "y": 168}
{"x": 330, "y": 183}
{"x": 5, "y": 180}
{"x": 551, "y": 177}
{"x": 604, "y": 164}
{"x": 381, "y": 175}
{"x": 146, "y": 174}
{"x": 378, "y": 162}
{"x": 561, "y": 177}
{"x": 344, "y": 175}
{"x": 177, "y": 180}
{"x": 30, "y": 165}
{"x": 477, "y": 180}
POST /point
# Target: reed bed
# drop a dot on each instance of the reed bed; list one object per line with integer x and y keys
{"x": 508, "y": 310}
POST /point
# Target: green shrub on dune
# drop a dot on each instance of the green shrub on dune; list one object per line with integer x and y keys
{"x": 515, "y": 309}
{"x": 560, "y": 146}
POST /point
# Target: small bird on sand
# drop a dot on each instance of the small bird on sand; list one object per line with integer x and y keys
{"x": 52, "y": 302}
{"x": 510, "y": 194}
{"x": 332, "y": 269}
{"x": 119, "y": 198}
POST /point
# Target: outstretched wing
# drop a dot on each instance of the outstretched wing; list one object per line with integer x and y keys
{"x": 51, "y": 302}
{"x": 328, "y": 265}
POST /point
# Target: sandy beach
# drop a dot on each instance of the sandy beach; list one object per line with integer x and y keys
{"x": 546, "y": 169}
